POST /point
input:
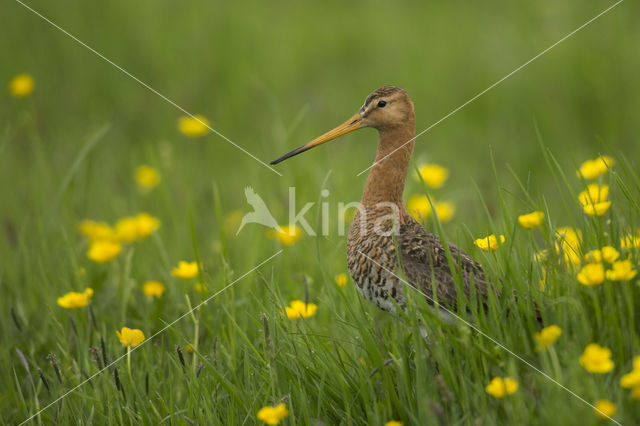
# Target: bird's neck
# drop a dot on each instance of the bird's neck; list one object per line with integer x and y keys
{"x": 387, "y": 176}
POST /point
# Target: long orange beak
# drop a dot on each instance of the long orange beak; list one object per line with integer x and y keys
{"x": 354, "y": 123}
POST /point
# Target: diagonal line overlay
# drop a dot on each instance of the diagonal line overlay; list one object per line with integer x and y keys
{"x": 444, "y": 308}
{"x": 493, "y": 85}
{"x": 150, "y": 338}
{"x": 142, "y": 83}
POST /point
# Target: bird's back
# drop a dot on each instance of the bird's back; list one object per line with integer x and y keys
{"x": 424, "y": 261}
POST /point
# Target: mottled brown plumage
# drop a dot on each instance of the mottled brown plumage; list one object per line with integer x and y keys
{"x": 376, "y": 253}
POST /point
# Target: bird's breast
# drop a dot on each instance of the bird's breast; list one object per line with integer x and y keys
{"x": 373, "y": 263}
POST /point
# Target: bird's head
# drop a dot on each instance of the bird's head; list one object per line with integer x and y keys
{"x": 385, "y": 108}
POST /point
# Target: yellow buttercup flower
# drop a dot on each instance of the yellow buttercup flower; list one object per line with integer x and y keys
{"x": 621, "y": 271}
{"x": 597, "y": 209}
{"x": 569, "y": 236}
{"x": 594, "y": 199}
{"x": 153, "y": 288}
{"x": 394, "y": 423}
{"x": 548, "y": 335}
{"x": 96, "y": 230}
{"x": 287, "y": 234}
{"x": 592, "y": 169}
{"x": 186, "y": 270}
{"x": 607, "y": 253}
{"x": 433, "y": 175}
{"x": 147, "y": 177}
{"x": 418, "y": 206}
{"x": 444, "y": 210}
{"x": 201, "y": 288}
{"x": 531, "y": 220}
{"x": 298, "y": 309}
{"x": 631, "y": 380}
{"x": 630, "y": 241}
{"x": 273, "y": 415}
{"x": 127, "y": 229}
{"x": 594, "y": 256}
{"x": 595, "y": 193}
{"x": 591, "y": 274}
{"x": 568, "y": 241}
{"x": 136, "y": 227}
{"x": 21, "y": 85}
{"x": 605, "y": 408}
{"x": 500, "y": 387}
{"x": 489, "y": 243}
{"x": 194, "y": 126}
{"x": 596, "y": 359}
{"x": 102, "y": 251}
{"x": 130, "y": 337}
{"x": 572, "y": 259}
{"x": 146, "y": 224}
{"x": 342, "y": 279}
{"x": 610, "y": 254}
{"x": 74, "y": 299}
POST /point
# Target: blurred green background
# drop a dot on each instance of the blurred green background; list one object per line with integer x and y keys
{"x": 271, "y": 76}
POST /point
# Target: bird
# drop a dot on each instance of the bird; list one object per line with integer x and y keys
{"x": 384, "y": 240}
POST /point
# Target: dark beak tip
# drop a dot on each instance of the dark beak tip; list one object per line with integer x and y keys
{"x": 289, "y": 155}
{"x": 278, "y": 160}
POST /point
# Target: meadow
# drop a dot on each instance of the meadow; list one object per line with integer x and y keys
{"x": 226, "y": 341}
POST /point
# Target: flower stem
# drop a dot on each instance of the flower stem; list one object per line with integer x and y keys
{"x": 195, "y": 339}
{"x": 196, "y": 325}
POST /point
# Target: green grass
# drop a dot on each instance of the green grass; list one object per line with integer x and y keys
{"x": 271, "y": 76}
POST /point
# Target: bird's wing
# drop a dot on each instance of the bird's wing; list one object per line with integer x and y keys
{"x": 424, "y": 261}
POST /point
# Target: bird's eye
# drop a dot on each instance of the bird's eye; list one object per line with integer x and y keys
{"x": 382, "y": 104}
